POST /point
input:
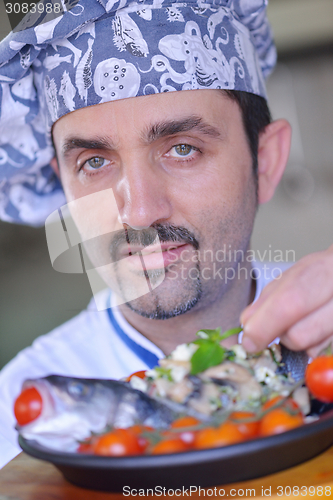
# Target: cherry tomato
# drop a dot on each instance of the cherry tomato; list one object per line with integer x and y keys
{"x": 272, "y": 403}
{"x": 281, "y": 402}
{"x": 291, "y": 405}
{"x": 279, "y": 420}
{"x": 186, "y": 435}
{"x": 86, "y": 447}
{"x": 206, "y": 438}
{"x": 117, "y": 443}
{"x": 319, "y": 378}
{"x": 137, "y": 430}
{"x": 140, "y": 374}
{"x": 247, "y": 423}
{"x": 169, "y": 445}
{"x": 210, "y": 437}
{"x": 187, "y": 421}
{"x": 28, "y": 406}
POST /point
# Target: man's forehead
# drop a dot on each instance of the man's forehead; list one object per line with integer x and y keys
{"x": 152, "y": 117}
{"x": 156, "y": 131}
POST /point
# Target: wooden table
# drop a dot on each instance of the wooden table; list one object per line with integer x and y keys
{"x": 26, "y": 478}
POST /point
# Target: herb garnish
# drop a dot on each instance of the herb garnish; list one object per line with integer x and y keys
{"x": 210, "y": 352}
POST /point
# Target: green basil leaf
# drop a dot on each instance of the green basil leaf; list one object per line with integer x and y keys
{"x": 229, "y": 333}
{"x": 211, "y": 334}
{"x": 208, "y": 354}
{"x": 200, "y": 341}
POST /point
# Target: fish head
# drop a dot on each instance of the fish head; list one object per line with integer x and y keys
{"x": 72, "y": 409}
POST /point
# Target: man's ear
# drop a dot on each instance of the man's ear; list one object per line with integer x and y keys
{"x": 273, "y": 152}
{"x": 55, "y": 166}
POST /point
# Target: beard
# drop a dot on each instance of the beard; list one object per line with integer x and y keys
{"x": 161, "y": 305}
{"x": 166, "y": 300}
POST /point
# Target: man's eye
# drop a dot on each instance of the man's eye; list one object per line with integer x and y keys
{"x": 183, "y": 151}
{"x": 95, "y": 163}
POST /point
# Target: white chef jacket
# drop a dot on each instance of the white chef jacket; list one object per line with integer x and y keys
{"x": 94, "y": 344}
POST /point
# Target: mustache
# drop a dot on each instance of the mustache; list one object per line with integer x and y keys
{"x": 146, "y": 237}
{"x": 127, "y": 237}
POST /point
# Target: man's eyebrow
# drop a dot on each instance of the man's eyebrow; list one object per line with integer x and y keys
{"x": 78, "y": 143}
{"x": 169, "y": 128}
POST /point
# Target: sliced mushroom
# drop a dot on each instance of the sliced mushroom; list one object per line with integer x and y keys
{"x": 236, "y": 375}
{"x": 180, "y": 392}
{"x": 206, "y": 403}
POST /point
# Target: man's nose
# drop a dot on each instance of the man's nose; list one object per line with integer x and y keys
{"x": 142, "y": 196}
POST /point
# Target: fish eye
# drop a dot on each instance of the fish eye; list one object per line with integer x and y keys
{"x": 78, "y": 390}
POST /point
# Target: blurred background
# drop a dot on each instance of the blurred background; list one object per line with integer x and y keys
{"x": 34, "y": 298}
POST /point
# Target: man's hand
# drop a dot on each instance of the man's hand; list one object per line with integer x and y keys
{"x": 297, "y": 307}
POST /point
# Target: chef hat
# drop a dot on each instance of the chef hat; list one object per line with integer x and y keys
{"x": 103, "y": 50}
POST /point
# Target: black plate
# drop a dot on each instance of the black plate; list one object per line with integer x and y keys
{"x": 204, "y": 468}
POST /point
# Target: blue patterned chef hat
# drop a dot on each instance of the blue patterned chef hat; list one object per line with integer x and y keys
{"x": 103, "y": 50}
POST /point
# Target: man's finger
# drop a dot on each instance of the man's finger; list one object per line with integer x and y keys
{"x": 303, "y": 289}
{"x": 313, "y": 352}
{"x": 252, "y": 308}
{"x": 312, "y": 331}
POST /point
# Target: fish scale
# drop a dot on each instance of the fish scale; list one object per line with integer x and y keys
{"x": 295, "y": 363}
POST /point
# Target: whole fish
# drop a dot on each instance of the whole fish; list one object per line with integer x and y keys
{"x": 73, "y": 408}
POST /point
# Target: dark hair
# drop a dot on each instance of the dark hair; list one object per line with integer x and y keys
{"x": 256, "y": 116}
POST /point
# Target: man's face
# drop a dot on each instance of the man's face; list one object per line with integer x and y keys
{"x": 172, "y": 171}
